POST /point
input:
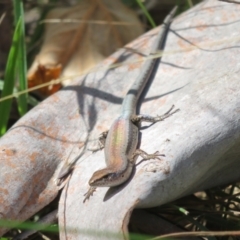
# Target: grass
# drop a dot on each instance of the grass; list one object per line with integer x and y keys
{"x": 21, "y": 65}
{"x": 214, "y": 212}
{"x": 10, "y": 75}
{"x": 146, "y": 13}
{"x": 15, "y": 69}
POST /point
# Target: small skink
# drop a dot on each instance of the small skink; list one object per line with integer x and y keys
{"x": 120, "y": 142}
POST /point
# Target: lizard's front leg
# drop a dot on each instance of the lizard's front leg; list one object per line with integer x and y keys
{"x": 89, "y": 193}
{"x": 146, "y": 118}
{"x": 145, "y": 156}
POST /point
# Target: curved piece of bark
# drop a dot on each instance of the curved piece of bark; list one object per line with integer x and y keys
{"x": 199, "y": 73}
{"x": 30, "y": 153}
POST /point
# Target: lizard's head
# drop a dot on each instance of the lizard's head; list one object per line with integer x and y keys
{"x": 103, "y": 178}
{"x": 108, "y": 178}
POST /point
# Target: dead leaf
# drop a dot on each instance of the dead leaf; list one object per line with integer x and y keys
{"x": 79, "y": 37}
{"x": 44, "y": 74}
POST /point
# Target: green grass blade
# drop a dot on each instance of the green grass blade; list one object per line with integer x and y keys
{"x": 16, "y": 10}
{"x": 28, "y": 225}
{"x": 148, "y": 16}
{"x": 1, "y": 84}
{"x": 21, "y": 68}
{"x": 190, "y": 4}
{"x": 5, "y": 106}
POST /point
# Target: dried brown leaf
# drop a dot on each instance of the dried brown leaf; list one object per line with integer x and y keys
{"x": 79, "y": 37}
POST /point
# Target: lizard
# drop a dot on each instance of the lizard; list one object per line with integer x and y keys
{"x": 120, "y": 142}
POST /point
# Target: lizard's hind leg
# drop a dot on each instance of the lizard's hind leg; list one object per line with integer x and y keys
{"x": 147, "y": 118}
{"x": 145, "y": 156}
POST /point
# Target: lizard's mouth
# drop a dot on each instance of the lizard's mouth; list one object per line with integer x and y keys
{"x": 107, "y": 180}
{"x": 110, "y": 179}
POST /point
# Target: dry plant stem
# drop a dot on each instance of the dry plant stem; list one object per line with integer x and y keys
{"x": 230, "y": 1}
{"x": 200, "y": 234}
{"x": 150, "y": 223}
{"x": 2, "y": 17}
{"x": 56, "y": 81}
{"x": 97, "y": 22}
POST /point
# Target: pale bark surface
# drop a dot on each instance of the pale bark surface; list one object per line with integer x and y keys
{"x": 199, "y": 73}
